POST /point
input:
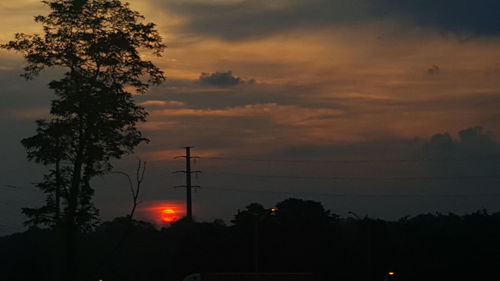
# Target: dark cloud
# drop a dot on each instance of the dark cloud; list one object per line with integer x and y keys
{"x": 255, "y": 18}
{"x": 222, "y": 79}
{"x": 434, "y": 70}
{"x": 473, "y": 152}
{"x": 457, "y": 16}
{"x": 248, "y": 19}
{"x": 471, "y": 143}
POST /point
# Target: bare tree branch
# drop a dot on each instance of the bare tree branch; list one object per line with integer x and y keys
{"x": 134, "y": 190}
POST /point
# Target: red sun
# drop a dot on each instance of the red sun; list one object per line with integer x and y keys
{"x": 168, "y": 215}
{"x": 162, "y": 212}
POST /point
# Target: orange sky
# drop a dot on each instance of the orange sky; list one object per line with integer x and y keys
{"x": 319, "y": 82}
{"x": 317, "y": 86}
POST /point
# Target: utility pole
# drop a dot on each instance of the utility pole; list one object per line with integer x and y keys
{"x": 188, "y": 186}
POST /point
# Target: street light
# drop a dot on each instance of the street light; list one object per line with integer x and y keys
{"x": 256, "y": 236}
{"x": 389, "y": 276}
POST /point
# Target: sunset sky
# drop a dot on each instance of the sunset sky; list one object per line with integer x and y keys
{"x": 317, "y": 81}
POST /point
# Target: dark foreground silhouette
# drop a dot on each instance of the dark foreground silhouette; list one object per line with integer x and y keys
{"x": 299, "y": 236}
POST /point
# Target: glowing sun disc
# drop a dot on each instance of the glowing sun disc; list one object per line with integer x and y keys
{"x": 168, "y": 215}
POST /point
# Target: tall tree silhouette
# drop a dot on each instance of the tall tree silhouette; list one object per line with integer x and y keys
{"x": 93, "y": 118}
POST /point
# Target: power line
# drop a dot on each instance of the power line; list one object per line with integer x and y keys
{"x": 346, "y": 161}
{"x": 480, "y": 177}
{"x": 352, "y": 194}
{"x": 17, "y": 187}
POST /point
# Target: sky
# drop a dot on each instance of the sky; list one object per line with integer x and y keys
{"x": 330, "y": 100}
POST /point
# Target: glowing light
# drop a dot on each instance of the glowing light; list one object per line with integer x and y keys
{"x": 390, "y": 273}
{"x": 168, "y": 215}
{"x": 161, "y": 212}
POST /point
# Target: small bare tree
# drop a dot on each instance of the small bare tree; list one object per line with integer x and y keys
{"x": 134, "y": 190}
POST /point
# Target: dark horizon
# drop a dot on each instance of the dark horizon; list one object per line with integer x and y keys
{"x": 299, "y": 238}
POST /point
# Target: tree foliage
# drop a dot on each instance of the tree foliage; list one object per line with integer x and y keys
{"x": 97, "y": 44}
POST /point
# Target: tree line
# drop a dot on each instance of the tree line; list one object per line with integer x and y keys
{"x": 297, "y": 236}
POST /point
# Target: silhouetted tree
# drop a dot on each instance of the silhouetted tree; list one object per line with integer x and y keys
{"x": 301, "y": 212}
{"x": 424, "y": 247}
{"x": 248, "y": 217}
{"x": 94, "y": 117}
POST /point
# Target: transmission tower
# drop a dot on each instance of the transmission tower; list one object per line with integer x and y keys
{"x": 188, "y": 186}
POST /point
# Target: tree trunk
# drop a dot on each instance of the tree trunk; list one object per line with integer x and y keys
{"x": 70, "y": 227}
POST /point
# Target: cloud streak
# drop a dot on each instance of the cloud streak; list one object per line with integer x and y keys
{"x": 247, "y": 19}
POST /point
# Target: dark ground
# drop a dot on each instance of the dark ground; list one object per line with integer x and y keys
{"x": 300, "y": 237}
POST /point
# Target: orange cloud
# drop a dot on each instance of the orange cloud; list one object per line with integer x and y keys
{"x": 162, "y": 103}
{"x": 333, "y": 84}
